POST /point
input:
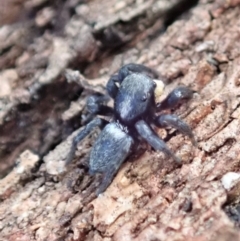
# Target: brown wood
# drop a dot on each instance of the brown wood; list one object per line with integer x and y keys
{"x": 42, "y": 98}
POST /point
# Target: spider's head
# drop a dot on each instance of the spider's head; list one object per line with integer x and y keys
{"x": 135, "y": 98}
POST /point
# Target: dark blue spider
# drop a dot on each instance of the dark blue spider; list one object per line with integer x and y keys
{"x": 133, "y": 90}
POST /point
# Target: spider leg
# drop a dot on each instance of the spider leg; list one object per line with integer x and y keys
{"x": 126, "y": 70}
{"x": 154, "y": 140}
{"x": 106, "y": 181}
{"x": 174, "y": 98}
{"x": 175, "y": 122}
{"x": 97, "y": 122}
{"x": 136, "y": 68}
{"x": 96, "y": 104}
{"x": 111, "y": 86}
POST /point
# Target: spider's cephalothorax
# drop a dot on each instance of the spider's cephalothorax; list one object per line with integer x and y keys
{"x": 134, "y": 99}
{"x": 133, "y": 89}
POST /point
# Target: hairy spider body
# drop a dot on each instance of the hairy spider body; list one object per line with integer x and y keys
{"x": 135, "y": 98}
{"x": 133, "y": 90}
{"x": 112, "y": 144}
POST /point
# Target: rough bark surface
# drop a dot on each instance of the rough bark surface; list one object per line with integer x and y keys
{"x": 42, "y": 98}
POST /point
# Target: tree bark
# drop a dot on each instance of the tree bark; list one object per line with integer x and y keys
{"x": 42, "y": 97}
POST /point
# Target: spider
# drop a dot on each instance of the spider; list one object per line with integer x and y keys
{"x": 135, "y": 110}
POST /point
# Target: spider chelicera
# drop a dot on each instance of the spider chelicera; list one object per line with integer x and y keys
{"x": 135, "y": 110}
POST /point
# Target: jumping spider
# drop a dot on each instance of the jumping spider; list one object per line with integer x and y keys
{"x": 133, "y": 89}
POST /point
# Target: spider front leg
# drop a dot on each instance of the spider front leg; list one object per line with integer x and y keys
{"x": 154, "y": 140}
{"x": 97, "y": 122}
{"x": 112, "y": 87}
{"x": 96, "y": 104}
{"x": 175, "y": 122}
{"x": 174, "y": 98}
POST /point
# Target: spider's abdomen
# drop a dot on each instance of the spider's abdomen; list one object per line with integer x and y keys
{"x": 110, "y": 149}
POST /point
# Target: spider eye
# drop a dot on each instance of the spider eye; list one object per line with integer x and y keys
{"x": 144, "y": 97}
{"x": 154, "y": 84}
